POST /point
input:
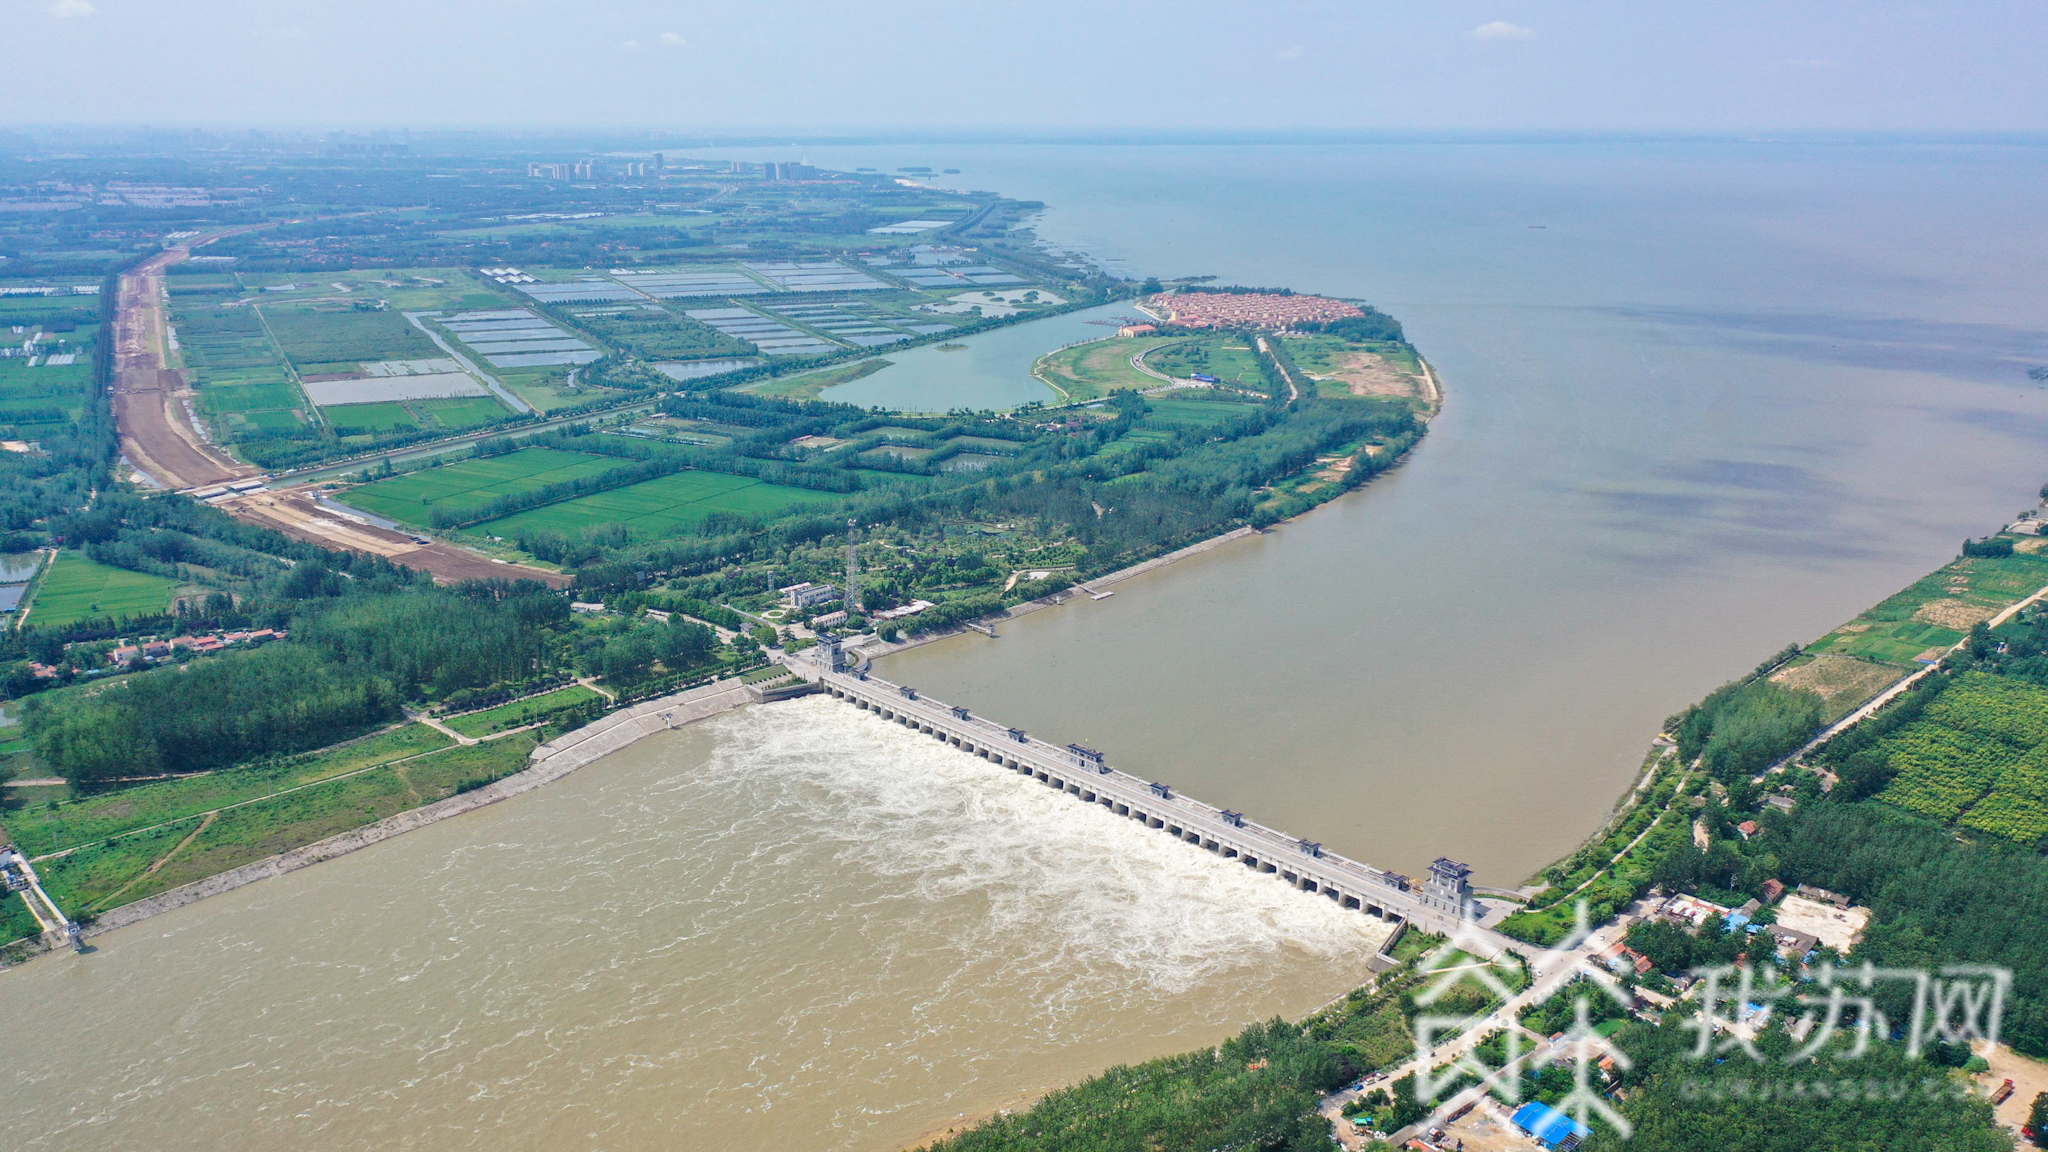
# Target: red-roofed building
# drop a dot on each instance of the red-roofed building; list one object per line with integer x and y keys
{"x": 1249, "y": 309}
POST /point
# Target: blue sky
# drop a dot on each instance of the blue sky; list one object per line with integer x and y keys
{"x": 1048, "y": 65}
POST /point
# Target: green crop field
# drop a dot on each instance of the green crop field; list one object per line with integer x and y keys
{"x": 311, "y": 337}
{"x": 411, "y": 498}
{"x": 250, "y": 397}
{"x": 266, "y": 421}
{"x": 381, "y": 416}
{"x": 75, "y": 588}
{"x": 654, "y": 506}
{"x": 461, "y": 411}
{"x": 1977, "y": 757}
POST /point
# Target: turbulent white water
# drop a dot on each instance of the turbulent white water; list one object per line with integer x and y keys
{"x": 794, "y": 925}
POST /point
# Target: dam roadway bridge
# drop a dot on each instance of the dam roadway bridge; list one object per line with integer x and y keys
{"x": 1442, "y": 904}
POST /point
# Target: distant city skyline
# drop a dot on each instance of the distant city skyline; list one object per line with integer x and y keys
{"x": 812, "y": 68}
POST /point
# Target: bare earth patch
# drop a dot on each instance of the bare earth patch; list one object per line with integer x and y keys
{"x": 2029, "y": 1079}
{"x": 1960, "y": 615}
{"x": 1369, "y": 375}
{"x": 1838, "y": 928}
{"x": 1842, "y": 681}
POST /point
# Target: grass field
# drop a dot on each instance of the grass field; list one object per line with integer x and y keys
{"x": 1842, "y": 682}
{"x": 1172, "y": 415}
{"x": 255, "y": 813}
{"x": 1226, "y": 357}
{"x": 1094, "y": 370}
{"x": 520, "y": 712}
{"x": 97, "y": 818}
{"x": 74, "y": 587}
{"x": 411, "y": 499}
{"x": 654, "y": 506}
{"x": 547, "y": 389}
{"x": 1376, "y": 368}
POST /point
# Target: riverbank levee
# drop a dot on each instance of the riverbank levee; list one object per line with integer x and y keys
{"x": 549, "y": 762}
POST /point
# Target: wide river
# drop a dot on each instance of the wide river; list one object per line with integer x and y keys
{"x": 1703, "y": 399}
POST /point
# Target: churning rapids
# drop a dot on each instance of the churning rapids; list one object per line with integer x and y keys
{"x": 794, "y": 925}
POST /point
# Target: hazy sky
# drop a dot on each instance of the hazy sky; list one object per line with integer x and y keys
{"x": 1075, "y": 65}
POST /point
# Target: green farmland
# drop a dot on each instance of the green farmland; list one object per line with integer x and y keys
{"x": 312, "y": 338}
{"x": 1927, "y": 618}
{"x": 655, "y": 506}
{"x": 460, "y": 411}
{"x": 411, "y": 499}
{"x": 75, "y": 588}
{"x": 377, "y": 416}
{"x": 1978, "y": 756}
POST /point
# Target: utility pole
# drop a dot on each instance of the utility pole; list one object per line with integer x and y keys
{"x": 852, "y": 565}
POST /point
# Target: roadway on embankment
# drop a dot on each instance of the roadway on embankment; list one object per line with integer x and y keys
{"x": 1898, "y": 688}
{"x": 469, "y": 366}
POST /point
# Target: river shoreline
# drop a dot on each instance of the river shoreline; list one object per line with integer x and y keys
{"x": 575, "y": 750}
{"x": 548, "y": 763}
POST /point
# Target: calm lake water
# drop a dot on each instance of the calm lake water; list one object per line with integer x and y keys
{"x": 989, "y": 370}
{"x": 1722, "y": 398}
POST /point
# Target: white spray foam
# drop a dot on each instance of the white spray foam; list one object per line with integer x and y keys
{"x": 1103, "y": 898}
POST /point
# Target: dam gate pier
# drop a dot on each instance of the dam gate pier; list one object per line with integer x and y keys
{"x": 1443, "y": 903}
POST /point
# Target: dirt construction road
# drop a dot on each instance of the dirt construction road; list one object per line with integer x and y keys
{"x": 150, "y": 399}
{"x": 152, "y": 411}
{"x": 293, "y": 512}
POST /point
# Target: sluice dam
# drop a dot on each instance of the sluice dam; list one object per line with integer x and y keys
{"x": 1443, "y": 903}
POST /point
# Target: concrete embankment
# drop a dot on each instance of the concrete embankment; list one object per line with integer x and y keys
{"x": 550, "y": 762}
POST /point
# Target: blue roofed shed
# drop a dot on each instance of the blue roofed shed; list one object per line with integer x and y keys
{"x": 1551, "y": 1128}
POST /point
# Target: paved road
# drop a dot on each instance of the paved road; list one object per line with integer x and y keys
{"x": 1293, "y": 393}
{"x": 504, "y": 393}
